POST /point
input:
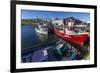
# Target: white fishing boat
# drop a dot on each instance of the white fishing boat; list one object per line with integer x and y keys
{"x": 42, "y": 28}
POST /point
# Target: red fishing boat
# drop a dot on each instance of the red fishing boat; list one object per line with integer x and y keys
{"x": 67, "y": 32}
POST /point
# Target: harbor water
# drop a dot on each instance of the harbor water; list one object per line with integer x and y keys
{"x": 29, "y": 37}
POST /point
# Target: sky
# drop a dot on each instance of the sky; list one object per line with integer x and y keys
{"x": 30, "y": 14}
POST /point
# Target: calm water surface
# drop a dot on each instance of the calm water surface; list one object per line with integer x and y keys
{"x": 29, "y": 37}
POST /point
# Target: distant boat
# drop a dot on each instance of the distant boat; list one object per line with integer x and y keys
{"x": 42, "y": 28}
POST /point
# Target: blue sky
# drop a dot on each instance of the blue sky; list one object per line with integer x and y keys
{"x": 28, "y": 14}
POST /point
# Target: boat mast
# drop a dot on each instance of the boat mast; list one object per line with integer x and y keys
{"x": 64, "y": 27}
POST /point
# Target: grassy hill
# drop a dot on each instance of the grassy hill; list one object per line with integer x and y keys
{"x": 28, "y": 22}
{"x": 32, "y": 21}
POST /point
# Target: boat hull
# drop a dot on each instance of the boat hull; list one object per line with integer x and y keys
{"x": 78, "y": 38}
{"x": 41, "y": 32}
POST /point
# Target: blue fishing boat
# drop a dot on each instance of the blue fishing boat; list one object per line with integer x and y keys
{"x": 58, "y": 51}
